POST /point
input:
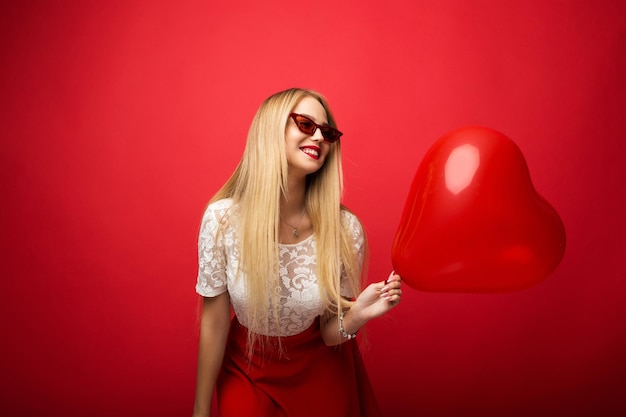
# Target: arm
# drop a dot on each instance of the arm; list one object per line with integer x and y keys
{"x": 377, "y": 299}
{"x": 214, "y": 326}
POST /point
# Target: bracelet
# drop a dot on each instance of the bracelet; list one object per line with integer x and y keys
{"x": 343, "y": 331}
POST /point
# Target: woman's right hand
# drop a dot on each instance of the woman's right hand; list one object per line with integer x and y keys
{"x": 377, "y": 299}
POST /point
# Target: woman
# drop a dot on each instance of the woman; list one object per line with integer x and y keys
{"x": 277, "y": 246}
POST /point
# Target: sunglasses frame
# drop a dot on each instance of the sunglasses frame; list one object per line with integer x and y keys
{"x": 324, "y": 129}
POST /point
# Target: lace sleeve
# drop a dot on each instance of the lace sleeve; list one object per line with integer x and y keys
{"x": 358, "y": 237}
{"x": 212, "y": 278}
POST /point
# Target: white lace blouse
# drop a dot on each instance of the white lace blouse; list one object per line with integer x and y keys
{"x": 300, "y": 301}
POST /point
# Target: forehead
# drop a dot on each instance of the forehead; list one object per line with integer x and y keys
{"x": 309, "y": 106}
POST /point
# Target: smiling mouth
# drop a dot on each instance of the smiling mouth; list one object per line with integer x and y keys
{"x": 312, "y": 152}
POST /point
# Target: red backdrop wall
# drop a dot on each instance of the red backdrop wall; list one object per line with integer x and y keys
{"x": 120, "y": 119}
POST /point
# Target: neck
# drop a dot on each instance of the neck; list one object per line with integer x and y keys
{"x": 293, "y": 216}
{"x": 293, "y": 201}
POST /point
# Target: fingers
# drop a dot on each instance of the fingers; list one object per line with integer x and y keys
{"x": 393, "y": 277}
{"x": 393, "y": 281}
{"x": 391, "y": 291}
{"x": 391, "y": 294}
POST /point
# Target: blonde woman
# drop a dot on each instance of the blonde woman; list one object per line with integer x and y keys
{"x": 278, "y": 247}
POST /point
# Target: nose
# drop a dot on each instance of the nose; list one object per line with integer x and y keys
{"x": 317, "y": 135}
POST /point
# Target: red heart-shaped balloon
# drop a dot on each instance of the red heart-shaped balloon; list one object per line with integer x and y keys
{"x": 473, "y": 221}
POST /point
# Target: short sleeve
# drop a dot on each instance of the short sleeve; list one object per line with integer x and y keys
{"x": 212, "y": 278}
{"x": 354, "y": 227}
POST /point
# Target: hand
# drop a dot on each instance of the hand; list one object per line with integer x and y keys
{"x": 378, "y": 298}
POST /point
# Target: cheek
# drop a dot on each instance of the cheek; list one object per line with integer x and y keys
{"x": 325, "y": 149}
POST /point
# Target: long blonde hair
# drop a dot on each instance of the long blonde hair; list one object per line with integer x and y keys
{"x": 257, "y": 185}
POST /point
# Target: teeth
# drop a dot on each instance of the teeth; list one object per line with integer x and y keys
{"x": 310, "y": 151}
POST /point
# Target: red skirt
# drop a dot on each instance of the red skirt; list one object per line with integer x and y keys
{"x": 307, "y": 379}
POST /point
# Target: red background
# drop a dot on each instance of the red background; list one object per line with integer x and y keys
{"x": 120, "y": 119}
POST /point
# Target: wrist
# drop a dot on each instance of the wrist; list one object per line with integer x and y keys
{"x": 342, "y": 329}
{"x": 350, "y": 322}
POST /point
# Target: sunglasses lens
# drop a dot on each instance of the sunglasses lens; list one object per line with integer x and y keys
{"x": 329, "y": 134}
{"x": 305, "y": 125}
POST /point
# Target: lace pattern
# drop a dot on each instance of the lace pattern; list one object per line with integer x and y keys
{"x": 218, "y": 260}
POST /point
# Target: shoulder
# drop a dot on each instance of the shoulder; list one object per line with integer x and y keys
{"x": 349, "y": 219}
{"x": 353, "y": 229}
{"x": 223, "y": 204}
{"x": 219, "y": 210}
{"x": 217, "y": 222}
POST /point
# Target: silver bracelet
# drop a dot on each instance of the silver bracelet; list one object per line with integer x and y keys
{"x": 343, "y": 331}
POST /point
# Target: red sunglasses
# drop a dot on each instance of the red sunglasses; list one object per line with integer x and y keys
{"x": 309, "y": 127}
